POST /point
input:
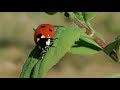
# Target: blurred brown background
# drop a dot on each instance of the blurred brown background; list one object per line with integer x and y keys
{"x": 16, "y": 42}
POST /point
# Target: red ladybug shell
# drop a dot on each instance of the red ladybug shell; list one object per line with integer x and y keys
{"x": 45, "y": 29}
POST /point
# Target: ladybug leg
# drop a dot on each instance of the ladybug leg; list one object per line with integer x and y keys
{"x": 41, "y": 48}
{"x": 52, "y": 40}
{"x": 51, "y": 45}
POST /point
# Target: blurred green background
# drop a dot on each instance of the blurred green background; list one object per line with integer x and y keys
{"x": 16, "y": 42}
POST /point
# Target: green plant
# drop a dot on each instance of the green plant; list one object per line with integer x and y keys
{"x": 70, "y": 38}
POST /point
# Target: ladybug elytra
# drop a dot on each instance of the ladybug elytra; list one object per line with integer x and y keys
{"x": 43, "y": 35}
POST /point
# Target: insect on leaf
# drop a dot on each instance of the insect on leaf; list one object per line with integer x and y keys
{"x": 66, "y": 38}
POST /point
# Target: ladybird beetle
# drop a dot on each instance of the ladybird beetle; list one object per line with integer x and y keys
{"x": 43, "y": 35}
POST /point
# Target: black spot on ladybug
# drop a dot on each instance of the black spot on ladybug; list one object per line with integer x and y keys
{"x": 42, "y": 26}
{"x": 39, "y": 35}
{"x": 50, "y": 30}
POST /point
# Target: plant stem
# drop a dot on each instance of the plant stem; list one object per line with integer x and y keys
{"x": 101, "y": 43}
{"x": 89, "y": 32}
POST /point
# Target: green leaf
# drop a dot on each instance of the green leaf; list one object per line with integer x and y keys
{"x": 66, "y": 38}
{"x": 89, "y": 39}
{"x": 113, "y": 76}
{"x": 35, "y": 70}
{"x": 84, "y": 16}
{"x": 112, "y": 49}
{"x": 84, "y": 50}
{"x": 85, "y": 45}
{"x": 117, "y": 37}
{"x": 34, "y": 28}
{"x": 88, "y": 15}
{"x": 30, "y": 63}
{"x": 79, "y": 16}
{"x": 51, "y": 13}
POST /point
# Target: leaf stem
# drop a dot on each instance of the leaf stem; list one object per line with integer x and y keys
{"x": 94, "y": 36}
{"x": 88, "y": 31}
